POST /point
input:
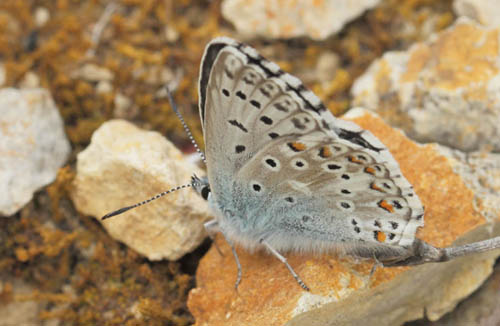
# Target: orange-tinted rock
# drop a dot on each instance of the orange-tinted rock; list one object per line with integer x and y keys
{"x": 444, "y": 90}
{"x": 341, "y": 288}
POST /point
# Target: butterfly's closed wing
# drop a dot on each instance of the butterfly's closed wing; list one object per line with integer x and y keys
{"x": 283, "y": 169}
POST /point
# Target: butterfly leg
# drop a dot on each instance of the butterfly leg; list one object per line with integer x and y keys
{"x": 376, "y": 264}
{"x": 284, "y": 261}
{"x": 212, "y": 226}
{"x": 237, "y": 259}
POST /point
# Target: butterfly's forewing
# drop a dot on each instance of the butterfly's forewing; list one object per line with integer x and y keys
{"x": 281, "y": 167}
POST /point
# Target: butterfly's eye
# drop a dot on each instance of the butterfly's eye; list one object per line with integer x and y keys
{"x": 205, "y": 192}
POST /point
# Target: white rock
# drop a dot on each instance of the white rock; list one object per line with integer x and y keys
{"x": 42, "y": 16}
{"x": 171, "y": 34}
{"x": 293, "y": 18}
{"x": 30, "y": 80}
{"x": 33, "y": 145}
{"x": 123, "y": 107}
{"x": 93, "y": 73}
{"x": 485, "y": 12}
{"x": 103, "y": 87}
{"x": 124, "y": 165}
{"x": 122, "y": 103}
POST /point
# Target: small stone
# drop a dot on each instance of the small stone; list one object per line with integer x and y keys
{"x": 104, "y": 87}
{"x": 122, "y": 103}
{"x": 123, "y": 107}
{"x": 21, "y": 312}
{"x": 293, "y": 18}
{"x": 485, "y": 12}
{"x": 154, "y": 75}
{"x": 327, "y": 65}
{"x": 93, "y": 73}
{"x": 42, "y": 16}
{"x": 33, "y": 145}
{"x": 30, "y": 80}
{"x": 171, "y": 34}
{"x": 438, "y": 92}
{"x": 342, "y": 290}
{"x": 10, "y": 23}
{"x": 124, "y": 165}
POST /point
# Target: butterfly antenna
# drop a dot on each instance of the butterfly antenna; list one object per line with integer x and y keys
{"x": 124, "y": 209}
{"x": 186, "y": 128}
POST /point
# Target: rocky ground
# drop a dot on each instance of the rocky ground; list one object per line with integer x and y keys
{"x": 68, "y": 68}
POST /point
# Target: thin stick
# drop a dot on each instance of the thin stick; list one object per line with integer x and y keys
{"x": 99, "y": 27}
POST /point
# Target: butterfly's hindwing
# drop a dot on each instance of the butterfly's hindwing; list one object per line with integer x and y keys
{"x": 283, "y": 165}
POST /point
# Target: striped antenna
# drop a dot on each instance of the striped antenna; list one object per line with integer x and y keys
{"x": 186, "y": 128}
{"x": 124, "y": 209}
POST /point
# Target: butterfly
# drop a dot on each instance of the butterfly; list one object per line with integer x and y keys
{"x": 284, "y": 174}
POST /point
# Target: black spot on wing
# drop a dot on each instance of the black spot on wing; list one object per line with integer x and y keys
{"x": 228, "y": 73}
{"x": 241, "y": 95}
{"x": 248, "y": 81}
{"x": 238, "y": 125}
{"x": 271, "y": 162}
{"x": 280, "y": 107}
{"x": 265, "y": 92}
{"x": 298, "y": 124}
{"x": 266, "y": 120}
{"x": 357, "y": 138}
{"x": 333, "y": 166}
{"x": 255, "y": 103}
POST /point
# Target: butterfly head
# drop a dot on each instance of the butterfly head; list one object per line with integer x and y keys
{"x": 201, "y": 186}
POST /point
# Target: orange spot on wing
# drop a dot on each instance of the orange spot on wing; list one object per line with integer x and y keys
{"x": 385, "y": 205}
{"x": 296, "y": 146}
{"x": 353, "y": 159}
{"x": 380, "y": 236}
{"x": 370, "y": 170}
{"x": 325, "y": 152}
{"x": 375, "y": 187}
